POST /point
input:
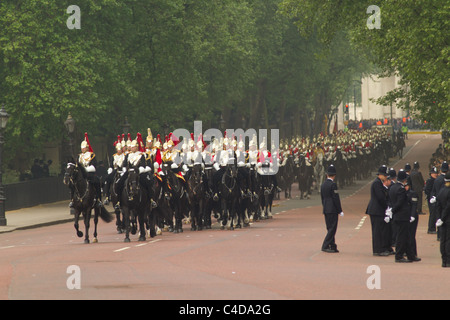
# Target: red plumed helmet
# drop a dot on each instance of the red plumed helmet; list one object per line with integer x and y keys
{"x": 85, "y": 143}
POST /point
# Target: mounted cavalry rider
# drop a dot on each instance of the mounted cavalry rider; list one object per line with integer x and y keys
{"x": 116, "y": 164}
{"x": 171, "y": 159}
{"x": 150, "y": 150}
{"x": 135, "y": 159}
{"x": 198, "y": 156}
{"x": 87, "y": 159}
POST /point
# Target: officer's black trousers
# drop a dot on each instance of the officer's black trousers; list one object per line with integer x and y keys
{"x": 381, "y": 234}
{"x": 432, "y": 217}
{"x": 412, "y": 235}
{"x": 403, "y": 240}
{"x": 331, "y": 221}
{"x": 445, "y": 242}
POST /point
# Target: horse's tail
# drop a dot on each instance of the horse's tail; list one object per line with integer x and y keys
{"x": 105, "y": 215}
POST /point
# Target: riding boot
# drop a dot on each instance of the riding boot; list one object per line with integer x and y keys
{"x": 108, "y": 192}
{"x": 98, "y": 190}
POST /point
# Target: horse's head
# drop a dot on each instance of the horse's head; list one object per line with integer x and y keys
{"x": 133, "y": 183}
{"x": 69, "y": 175}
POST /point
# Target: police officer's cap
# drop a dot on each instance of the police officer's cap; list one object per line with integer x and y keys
{"x": 416, "y": 165}
{"x": 402, "y": 175}
{"x": 433, "y": 170}
{"x": 407, "y": 167}
{"x": 444, "y": 167}
{"x": 447, "y": 177}
{"x": 331, "y": 170}
{"x": 392, "y": 173}
{"x": 383, "y": 170}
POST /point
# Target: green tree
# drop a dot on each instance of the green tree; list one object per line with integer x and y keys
{"x": 412, "y": 41}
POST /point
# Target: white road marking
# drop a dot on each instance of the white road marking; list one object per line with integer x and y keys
{"x": 7, "y": 247}
{"x": 361, "y": 223}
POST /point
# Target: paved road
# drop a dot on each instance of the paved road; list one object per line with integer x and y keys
{"x": 276, "y": 259}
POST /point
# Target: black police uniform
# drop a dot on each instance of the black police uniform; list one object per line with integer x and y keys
{"x": 413, "y": 200}
{"x": 331, "y": 209}
{"x": 401, "y": 215}
{"x": 417, "y": 185}
{"x": 381, "y": 239}
{"x": 439, "y": 183}
{"x": 431, "y": 206}
{"x": 443, "y": 214}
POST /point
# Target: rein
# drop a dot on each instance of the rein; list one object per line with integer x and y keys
{"x": 77, "y": 192}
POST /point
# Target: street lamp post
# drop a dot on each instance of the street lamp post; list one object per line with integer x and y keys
{"x": 70, "y": 126}
{"x": 126, "y": 126}
{"x": 4, "y": 116}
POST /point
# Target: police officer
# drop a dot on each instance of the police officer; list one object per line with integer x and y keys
{"x": 331, "y": 209}
{"x": 401, "y": 215}
{"x": 413, "y": 201}
{"x": 377, "y": 210}
{"x": 418, "y": 184}
{"x": 439, "y": 183}
{"x": 443, "y": 220}
{"x": 431, "y": 206}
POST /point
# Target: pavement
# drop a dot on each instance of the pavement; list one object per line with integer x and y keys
{"x": 58, "y": 212}
{"x": 38, "y": 216}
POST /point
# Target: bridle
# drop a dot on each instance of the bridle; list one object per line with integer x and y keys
{"x": 70, "y": 176}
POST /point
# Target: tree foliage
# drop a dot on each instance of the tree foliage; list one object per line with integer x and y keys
{"x": 164, "y": 62}
{"x": 413, "y": 41}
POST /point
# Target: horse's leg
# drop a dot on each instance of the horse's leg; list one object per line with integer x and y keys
{"x": 271, "y": 196}
{"x": 141, "y": 219}
{"x": 200, "y": 214}
{"x": 76, "y": 224}
{"x": 126, "y": 221}
{"x": 96, "y": 214}
{"x": 178, "y": 219}
{"x": 230, "y": 215}
{"x": 119, "y": 221}
{"x": 266, "y": 205}
{"x": 87, "y": 222}
{"x": 224, "y": 214}
{"x": 133, "y": 221}
{"x": 194, "y": 214}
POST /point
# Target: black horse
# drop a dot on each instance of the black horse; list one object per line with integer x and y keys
{"x": 135, "y": 205}
{"x": 162, "y": 213}
{"x": 210, "y": 206}
{"x": 286, "y": 176}
{"x": 255, "y": 189}
{"x": 115, "y": 198}
{"x": 399, "y": 144}
{"x": 229, "y": 193}
{"x": 84, "y": 199}
{"x": 244, "y": 201}
{"x": 268, "y": 193}
{"x": 305, "y": 177}
{"x": 176, "y": 193}
{"x": 197, "y": 199}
